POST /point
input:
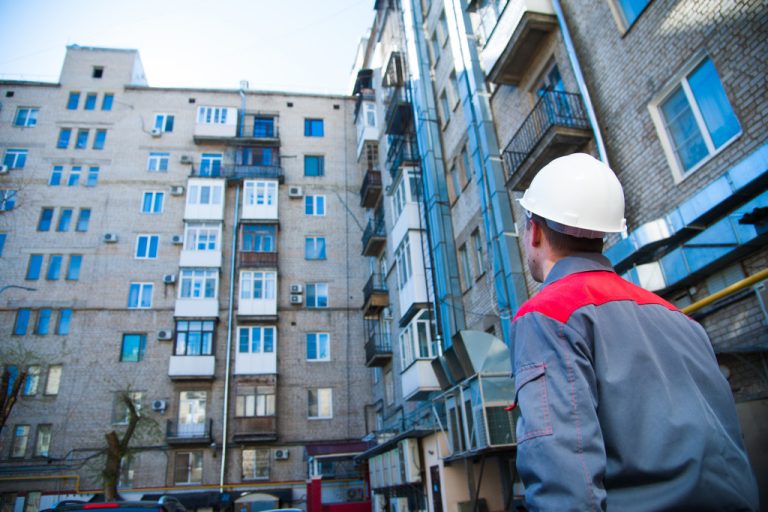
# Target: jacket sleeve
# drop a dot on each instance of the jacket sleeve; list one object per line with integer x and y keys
{"x": 560, "y": 455}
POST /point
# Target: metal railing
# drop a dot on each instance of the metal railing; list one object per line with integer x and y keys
{"x": 188, "y": 432}
{"x": 371, "y": 181}
{"x": 401, "y": 149}
{"x": 376, "y": 283}
{"x": 375, "y": 227}
{"x": 253, "y": 130}
{"x": 554, "y": 108}
{"x": 239, "y": 172}
{"x": 378, "y": 344}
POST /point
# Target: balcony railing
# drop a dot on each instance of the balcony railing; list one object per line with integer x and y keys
{"x": 374, "y": 237}
{"x": 262, "y": 132}
{"x": 370, "y": 191}
{"x": 402, "y": 150}
{"x": 378, "y": 349}
{"x": 255, "y": 428}
{"x": 258, "y": 259}
{"x": 239, "y": 172}
{"x": 189, "y": 433}
{"x": 375, "y": 295}
{"x": 557, "y": 125}
{"x": 399, "y": 116}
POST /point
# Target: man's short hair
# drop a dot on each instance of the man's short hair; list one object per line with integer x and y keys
{"x": 566, "y": 244}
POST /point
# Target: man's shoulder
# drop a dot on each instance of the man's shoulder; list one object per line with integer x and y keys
{"x": 559, "y": 300}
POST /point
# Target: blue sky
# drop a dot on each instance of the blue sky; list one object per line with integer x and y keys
{"x": 290, "y": 45}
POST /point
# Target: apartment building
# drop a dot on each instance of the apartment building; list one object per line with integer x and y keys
{"x": 485, "y": 92}
{"x": 197, "y": 250}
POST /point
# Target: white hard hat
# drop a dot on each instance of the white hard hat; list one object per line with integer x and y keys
{"x": 578, "y": 195}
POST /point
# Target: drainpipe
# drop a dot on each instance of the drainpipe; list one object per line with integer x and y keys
{"x": 229, "y": 341}
{"x": 580, "y": 80}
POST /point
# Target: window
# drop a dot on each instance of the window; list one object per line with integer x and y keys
{"x": 256, "y": 464}
{"x": 73, "y": 101}
{"x": 417, "y": 340}
{"x": 7, "y": 200}
{"x": 317, "y": 295}
{"x": 54, "y": 267}
{"x": 32, "y": 381}
{"x": 455, "y": 182}
{"x": 140, "y": 295}
{"x": 146, "y": 246}
{"x": 53, "y": 382}
{"x": 194, "y": 337}
{"x": 403, "y": 260}
{"x": 445, "y": 106}
{"x": 43, "y": 441}
{"x": 697, "y": 119}
{"x": 164, "y": 122}
{"x": 253, "y": 400}
{"x": 65, "y": 219}
{"x": 20, "y": 441}
{"x": 260, "y": 193}
{"x": 22, "y": 322}
{"x": 99, "y": 139}
{"x": 314, "y": 165}
{"x": 264, "y": 127}
{"x": 313, "y": 128}
{"x": 132, "y": 350}
{"x": 82, "y": 139}
{"x": 318, "y": 346}
{"x": 212, "y": 115}
{"x": 370, "y": 114}
{"x": 33, "y": 269}
{"x": 120, "y": 412}
{"x": 90, "y": 101}
{"x": 56, "y": 174}
{"x": 43, "y": 321}
{"x": 65, "y": 317}
{"x": 629, "y": 10}
{"x": 2, "y": 242}
{"x": 314, "y": 205}
{"x": 314, "y": 248}
{"x": 320, "y": 403}
{"x": 442, "y": 28}
{"x": 258, "y": 285}
{"x": 106, "y": 103}
{"x": 466, "y": 272}
{"x": 466, "y": 163}
{"x": 210, "y": 164}
{"x": 189, "y": 467}
{"x": 477, "y": 243}
{"x": 74, "y": 176}
{"x": 73, "y": 270}
{"x": 256, "y": 339}
{"x": 46, "y": 217}
{"x": 15, "y": 158}
{"x": 389, "y": 387}
{"x": 93, "y": 177}
{"x": 257, "y": 156}
{"x": 258, "y": 238}
{"x": 204, "y": 194}
{"x": 192, "y": 413}
{"x": 152, "y": 202}
{"x": 435, "y": 47}
{"x": 202, "y": 236}
{"x": 98, "y": 72}
{"x": 126, "y": 472}
{"x": 198, "y": 284}
{"x": 32, "y": 501}
{"x": 158, "y": 162}
{"x": 26, "y": 117}
{"x": 83, "y": 218}
{"x": 64, "y": 135}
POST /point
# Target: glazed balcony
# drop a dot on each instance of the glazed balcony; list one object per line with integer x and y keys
{"x": 370, "y": 191}
{"x": 255, "y": 429}
{"x": 557, "y": 126}
{"x": 374, "y": 237}
{"x": 375, "y": 295}
{"x": 402, "y": 151}
{"x": 188, "y": 434}
{"x": 378, "y": 349}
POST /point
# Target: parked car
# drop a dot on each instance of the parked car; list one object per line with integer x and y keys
{"x": 164, "y": 504}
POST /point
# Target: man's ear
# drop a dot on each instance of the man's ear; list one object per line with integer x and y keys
{"x": 537, "y": 234}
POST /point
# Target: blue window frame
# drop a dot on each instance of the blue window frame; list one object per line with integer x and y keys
{"x": 82, "y": 139}
{"x": 83, "y": 218}
{"x": 65, "y": 317}
{"x": 34, "y": 267}
{"x": 2, "y": 242}
{"x": 64, "y": 135}
{"x": 73, "y": 271}
{"x": 73, "y": 101}
{"x": 90, "y": 101}
{"x": 54, "y": 267}
{"x": 99, "y": 139}
{"x": 313, "y": 128}
{"x": 152, "y": 202}
{"x": 15, "y": 158}
{"x": 106, "y": 103}
{"x": 314, "y": 248}
{"x": 22, "y": 322}
{"x": 264, "y": 127}
{"x": 46, "y": 217}
{"x": 56, "y": 174}
{"x": 317, "y": 295}
{"x": 93, "y": 177}
{"x": 146, "y": 246}
{"x": 133, "y": 347}
{"x": 26, "y": 117}
{"x": 65, "y": 219}
{"x": 42, "y": 327}
{"x": 314, "y": 165}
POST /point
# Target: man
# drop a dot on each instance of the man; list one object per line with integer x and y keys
{"x": 622, "y": 404}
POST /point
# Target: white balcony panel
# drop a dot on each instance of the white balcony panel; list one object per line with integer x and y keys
{"x": 259, "y": 212}
{"x": 197, "y": 308}
{"x": 256, "y": 364}
{"x": 365, "y": 133}
{"x": 418, "y": 380}
{"x": 200, "y": 259}
{"x": 205, "y": 199}
{"x": 408, "y": 220}
{"x": 257, "y": 307}
{"x": 228, "y": 129}
{"x": 191, "y": 366}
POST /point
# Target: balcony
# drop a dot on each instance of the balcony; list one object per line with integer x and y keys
{"x": 375, "y": 295}
{"x": 378, "y": 349}
{"x": 519, "y": 34}
{"x": 419, "y": 380}
{"x": 255, "y": 429}
{"x": 370, "y": 191}
{"x": 402, "y": 151}
{"x": 251, "y": 259}
{"x": 260, "y": 130}
{"x": 188, "y": 434}
{"x": 557, "y": 126}
{"x": 242, "y": 172}
{"x": 191, "y": 367}
{"x": 215, "y": 124}
{"x": 374, "y": 237}
{"x": 399, "y": 116}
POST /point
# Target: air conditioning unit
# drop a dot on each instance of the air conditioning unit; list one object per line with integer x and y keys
{"x": 4, "y": 169}
{"x": 159, "y": 405}
{"x": 177, "y": 190}
{"x": 156, "y": 132}
{"x": 186, "y": 159}
{"x": 110, "y": 238}
{"x": 282, "y": 454}
{"x": 169, "y": 278}
{"x": 297, "y": 288}
{"x": 177, "y": 239}
{"x": 165, "y": 335}
{"x": 296, "y": 299}
{"x": 295, "y": 191}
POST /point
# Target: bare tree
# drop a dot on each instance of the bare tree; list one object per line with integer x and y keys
{"x": 15, "y": 361}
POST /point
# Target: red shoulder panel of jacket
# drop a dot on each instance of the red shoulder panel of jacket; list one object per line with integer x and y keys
{"x": 560, "y": 299}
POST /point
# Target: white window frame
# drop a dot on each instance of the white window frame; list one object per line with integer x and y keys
{"x": 404, "y": 263}
{"x": 30, "y": 118}
{"x": 161, "y": 119}
{"x": 53, "y": 379}
{"x": 315, "y": 286}
{"x": 260, "y": 193}
{"x": 259, "y": 403}
{"x": 259, "y": 467}
{"x": 320, "y": 395}
{"x": 267, "y": 280}
{"x": 250, "y": 329}
{"x": 316, "y": 243}
{"x": 143, "y": 288}
{"x": 198, "y": 279}
{"x": 196, "y": 193}
{"x": 315, "y": 200}
{"x": 157, "y": 161}
{"x": 194, "y": 463}
{"x": 321, "y": 339}
{"x": 410, "y": 341}
{"x": 149, "y": 238}
{"x": 202, "y": 236}
{"x": 156, "y": 197}
{"x": 212, "y": 115}
{"x": 18, "y": 155}
{"x": 121, "y": 413}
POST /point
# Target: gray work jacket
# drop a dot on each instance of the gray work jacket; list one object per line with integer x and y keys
{"x": 622, "y": 404}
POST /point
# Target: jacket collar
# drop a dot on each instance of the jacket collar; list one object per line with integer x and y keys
{"x": 579, "y": 262}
